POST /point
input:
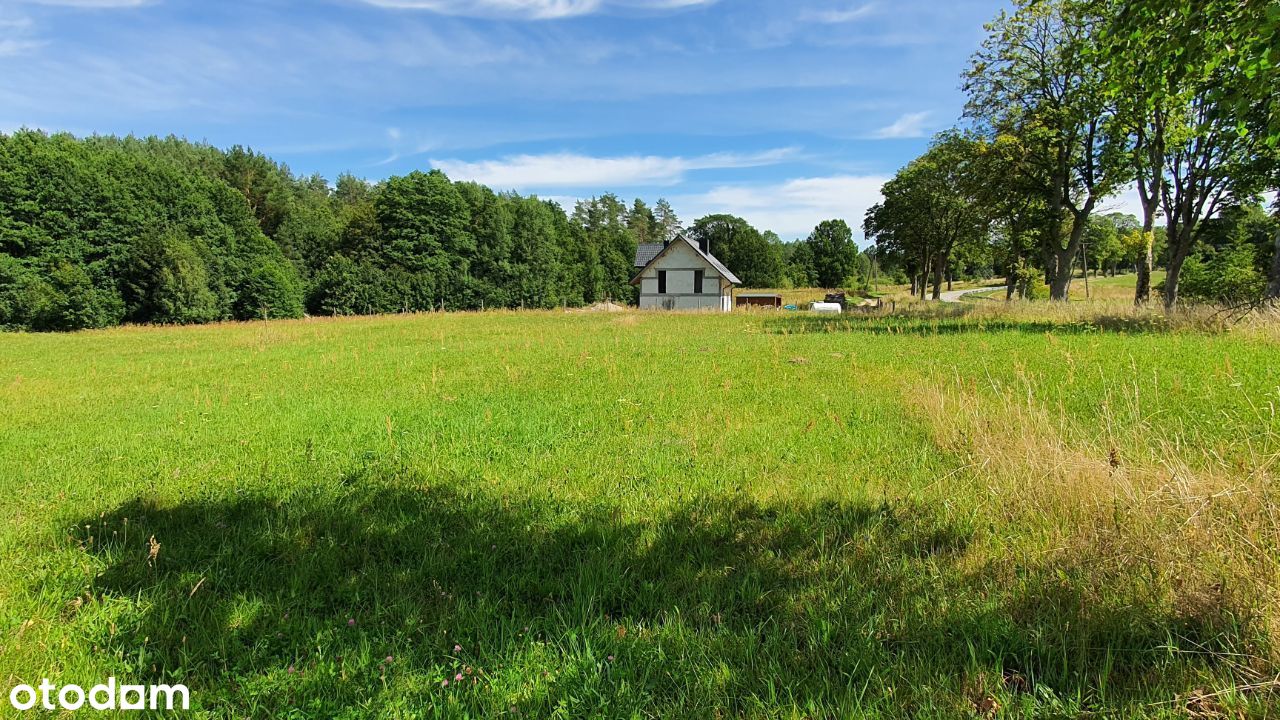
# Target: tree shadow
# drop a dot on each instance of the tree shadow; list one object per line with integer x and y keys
{"x": 267, "y": 606}
{"x": 959, "y": 320}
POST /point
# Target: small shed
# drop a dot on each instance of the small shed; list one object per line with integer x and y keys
{"x": 759, "y": 300}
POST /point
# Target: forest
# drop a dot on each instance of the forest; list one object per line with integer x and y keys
{"x": 100, "y": 231}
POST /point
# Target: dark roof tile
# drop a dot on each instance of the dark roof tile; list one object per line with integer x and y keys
{"x": 646, "y": 252}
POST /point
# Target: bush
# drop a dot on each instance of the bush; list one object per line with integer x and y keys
{"x": 62, "y": 297}
{"x": 77, "y": 302}
{"x": 1037, "y": 291}
{"x": 271, "y": 290}
{"x": 167, "y": 281}
{"x": 1229, "y": 276}
{"x": 1029, "y": 282}
{"x": 347, "y": 287}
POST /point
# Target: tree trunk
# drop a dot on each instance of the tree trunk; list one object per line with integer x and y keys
{"x": 937, "y": 279}
{"x": 1179, "y": 249}
{"x": 1273, "y": 289}
{"x": 1060, "y": 282}
{"x": 1171, "y": 283}
{"x": 924, "y": 274}
{"x": 1060, "y": 285}
{"x": 1084, "y": 257}
{"x": 1142, "y": 295}
{"x": 1150, "y": 161}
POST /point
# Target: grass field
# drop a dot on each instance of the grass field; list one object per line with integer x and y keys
{"x": 1100, "y": 289}
{"x": 955, "y": 512}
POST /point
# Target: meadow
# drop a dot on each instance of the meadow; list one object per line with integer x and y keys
{"x": 967, "y": 511}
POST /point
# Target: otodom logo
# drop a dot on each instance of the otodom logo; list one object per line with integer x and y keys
{"x": 105, "y": 696}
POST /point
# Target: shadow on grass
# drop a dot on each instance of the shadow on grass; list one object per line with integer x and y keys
{"x": 722, "y": 606}
{"x": 959, "y": 319}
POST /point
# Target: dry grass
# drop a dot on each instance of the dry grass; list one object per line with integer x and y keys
{"x": 1196, "y": 532}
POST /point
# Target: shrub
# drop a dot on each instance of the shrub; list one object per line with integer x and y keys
{"x": 62, "y": 297}
{"x": 347, "y": 287}
{"x": 166, "y": 280}
{"x": 77, "y": 302}
{"x": 1029, "y": 282}
{"x": 270, "y": 290}
{"x": 1228, "y": 276}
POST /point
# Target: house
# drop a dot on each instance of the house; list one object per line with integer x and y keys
{"x": 682, "y": 275}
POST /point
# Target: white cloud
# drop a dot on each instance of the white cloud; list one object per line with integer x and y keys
{"x": 530, "y": 9}
{"x": 567, "y": 170}
{"x": 792, "y": 208}
{"x": 910, "y": 125}
{"x": 1128, "y": 201}
{"x": 10, "y": 47}
{"x": 17, "y": 34}
{"x": 836, "y": 17}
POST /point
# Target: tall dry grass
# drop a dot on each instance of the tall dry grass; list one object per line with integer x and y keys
{"x": 1192, "y": 531}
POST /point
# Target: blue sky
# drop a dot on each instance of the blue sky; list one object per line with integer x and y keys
{"x": 786, "y": 112}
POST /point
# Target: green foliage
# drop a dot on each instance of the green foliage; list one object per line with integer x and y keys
{"x": 1028, "y": 282}
{"x": 349, "y": 287}
{"x": 166, "y": 280}
{"x": 60, "y": 296}
{"x": 271, "y": 290}
{"x": 834, "y": 252}
{"x": 124, "y": 229}
{"x": 1036, "y": 78}
{"x": 101, "y": 230}
{"x": 934, "y": 212}
{"x": 743, "y": 249}
{"x": 801, "y": 265}
{"x": 1229, "y": 276}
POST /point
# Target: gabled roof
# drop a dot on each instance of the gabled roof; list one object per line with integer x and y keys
{"x": 646, "y": 252}
{"x": 662, "y": 250}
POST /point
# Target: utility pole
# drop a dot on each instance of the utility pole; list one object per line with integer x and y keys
{"x": 1084, "y": 251}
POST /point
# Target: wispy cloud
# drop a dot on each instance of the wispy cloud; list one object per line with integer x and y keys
{"x": 911, "y": 125}
{"x": 93, "y": 3}
{"x": 531, "y": 9}
{"x": 17, "y": 34}
{"x": 791, "y": 208}
{"x": 840, "y": 15}
{"x": 10, "y": 47}
{"x": 567, "y": 170}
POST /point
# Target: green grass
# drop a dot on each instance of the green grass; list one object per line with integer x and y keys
{"x": 638, "y": 515}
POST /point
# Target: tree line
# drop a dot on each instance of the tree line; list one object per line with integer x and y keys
{"x": 1071, "y": 102}
{"x": 99, "y": 231}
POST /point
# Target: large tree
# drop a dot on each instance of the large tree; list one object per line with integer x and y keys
{"x": 1197, "y": 85}
{"x": 934, "y": 207}
{"x": 742, "y": 248}
{"x": 834, "y": 252}
{"x": 1036, "y": 76}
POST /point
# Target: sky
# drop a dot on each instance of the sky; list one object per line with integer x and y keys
{"x": 785, "y": 112}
